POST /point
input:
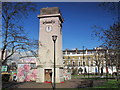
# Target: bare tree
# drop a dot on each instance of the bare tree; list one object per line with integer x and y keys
{"x": 111, "y": 36}
{"x": 13, "y": 35}
{"x": 99, "y": 58}
{"x": 0, "y": 18}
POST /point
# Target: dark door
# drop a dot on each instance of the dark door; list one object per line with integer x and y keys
{"x": 48, "y": 75}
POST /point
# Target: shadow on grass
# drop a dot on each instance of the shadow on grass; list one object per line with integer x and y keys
{"x": 110, "y": 84}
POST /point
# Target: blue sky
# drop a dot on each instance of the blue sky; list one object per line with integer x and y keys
{"x": 79, "y": 19}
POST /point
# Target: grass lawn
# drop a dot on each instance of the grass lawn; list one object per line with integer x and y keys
{"x": 110, "y": 84}
{"x": 92, "y": 77}
{"x": 86, "y": 77}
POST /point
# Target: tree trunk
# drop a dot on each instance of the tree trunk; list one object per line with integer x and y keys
{"x": 117, "y": 67}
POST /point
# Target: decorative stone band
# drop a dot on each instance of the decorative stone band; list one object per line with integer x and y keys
{"x": 52, "y": 15}
{"x": 52, "y": 66}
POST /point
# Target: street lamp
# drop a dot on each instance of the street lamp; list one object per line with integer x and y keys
{"x": 88, "y": 66}
{"x": 83, "y": 61}
{"x": 106, "y": 56}
{"x": 54, "y": 38}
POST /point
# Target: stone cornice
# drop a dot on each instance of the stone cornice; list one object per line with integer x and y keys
{"x": 52, "y": 15}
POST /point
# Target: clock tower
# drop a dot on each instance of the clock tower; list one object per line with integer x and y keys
{"x": 50, "y": 21}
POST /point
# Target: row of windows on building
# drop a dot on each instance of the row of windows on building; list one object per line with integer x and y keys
{"x": 87, "y": 51}
{"x": 86, "y": 58}
{"x": 73, "y": 63}
{"x": 81, "y": 63}
{"x": 78, "y": 58}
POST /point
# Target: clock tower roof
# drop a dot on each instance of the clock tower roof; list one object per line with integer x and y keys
{"x": 50, "y": 12}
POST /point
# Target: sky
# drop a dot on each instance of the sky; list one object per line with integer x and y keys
{"x": 79, "y": 19}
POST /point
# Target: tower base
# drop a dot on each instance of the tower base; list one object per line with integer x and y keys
{"x": 47, "y": 75}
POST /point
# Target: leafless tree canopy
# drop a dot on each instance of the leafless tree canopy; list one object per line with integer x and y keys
{"x": 13, "y": 36}
{"x": 111, "y": 36}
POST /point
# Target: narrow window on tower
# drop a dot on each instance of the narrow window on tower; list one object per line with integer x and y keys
{"x": 60, "y": 30}
{"x": 79, "y": 63}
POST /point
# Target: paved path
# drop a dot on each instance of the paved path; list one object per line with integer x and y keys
{"x": 73, "y": 83}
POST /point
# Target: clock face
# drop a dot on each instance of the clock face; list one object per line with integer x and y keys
{"x": 48, "y": 28}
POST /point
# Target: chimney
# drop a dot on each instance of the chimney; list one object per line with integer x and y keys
{"x": 76, "y": 50}
{"x": 86, "y": 51}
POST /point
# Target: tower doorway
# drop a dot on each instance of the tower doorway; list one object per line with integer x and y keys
{"x": 48, "y": 75}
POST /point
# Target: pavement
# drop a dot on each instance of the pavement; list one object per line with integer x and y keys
{"x": 73, "y": 83}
